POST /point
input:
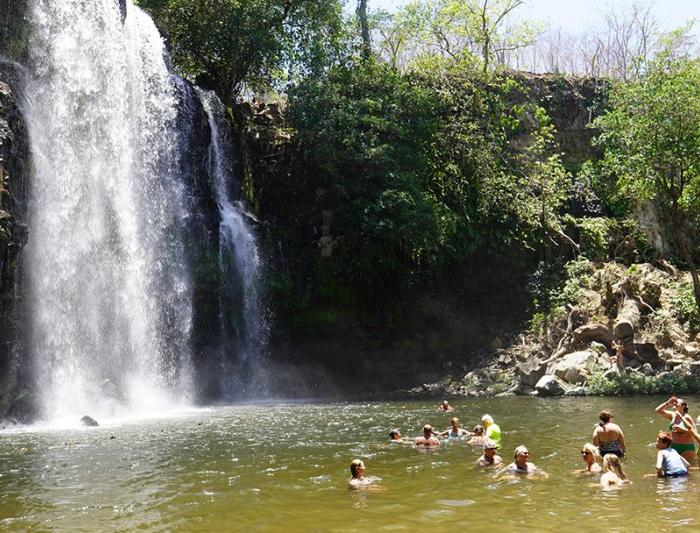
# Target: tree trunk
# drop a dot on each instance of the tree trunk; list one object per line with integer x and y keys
{"x": 627, "y": 320}
{"x": 364, "y": 29}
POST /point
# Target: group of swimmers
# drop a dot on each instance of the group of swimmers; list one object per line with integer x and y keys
{"x": 676, "y": 447}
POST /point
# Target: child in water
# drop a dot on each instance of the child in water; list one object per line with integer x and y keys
{"x": 612, "y": 475}
{"x": 357, "y": 470}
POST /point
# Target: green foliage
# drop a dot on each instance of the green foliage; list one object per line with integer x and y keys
{"x": 631, "y": 383}
{"x": 652, "y": 132}
{"x": 555, "y": 285}
{"x": 454, "y": 30}
{"x": 594, "y": 239}
{"x": 683, "y": 305}
{"x": 224, "y": 44}
{"x": 597, "y": 178}
{"x": 419, "y": 171}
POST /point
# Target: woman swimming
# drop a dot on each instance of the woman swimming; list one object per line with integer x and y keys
{"x": 676, "y": 410}
{"x": 612, "y": 475}
{"x": 454, "y": 431}
{"x": 590, "y": 457}
{"x": 608, "y": 437}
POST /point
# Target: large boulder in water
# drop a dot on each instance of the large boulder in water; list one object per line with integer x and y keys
{"x": 88, "y": 421}
{"x": 549, "y": 386}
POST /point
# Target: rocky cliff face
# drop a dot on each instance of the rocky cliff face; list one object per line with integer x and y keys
{"x": 14, "y": 161}
{"x": 13, "y": 30}
{"x": 571, "y": 103}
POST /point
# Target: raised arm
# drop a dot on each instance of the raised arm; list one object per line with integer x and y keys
{"x": 689, "y": 421}
{"x": 661, "y": 409}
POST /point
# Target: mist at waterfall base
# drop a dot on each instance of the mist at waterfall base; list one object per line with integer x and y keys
{"x": 141, "y": 270}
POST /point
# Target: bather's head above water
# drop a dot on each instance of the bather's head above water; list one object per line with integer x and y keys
{"x": 357, "y": 468}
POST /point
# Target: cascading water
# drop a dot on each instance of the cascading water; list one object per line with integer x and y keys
{"x": 110, "y": 290}
{"x": 242, "y": 326}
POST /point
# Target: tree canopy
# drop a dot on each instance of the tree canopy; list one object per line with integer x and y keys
{"x": 224, "y": 44}
{"x": 651, "y": 137}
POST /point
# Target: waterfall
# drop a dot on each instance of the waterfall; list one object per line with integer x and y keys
{"x": 109, "y": 282}
{"x": 242, "y": 326}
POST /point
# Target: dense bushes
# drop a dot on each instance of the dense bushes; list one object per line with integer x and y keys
{"x": 421, "y": 168}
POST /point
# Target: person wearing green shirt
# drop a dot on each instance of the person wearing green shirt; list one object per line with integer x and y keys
{"x": 493, "y": 431}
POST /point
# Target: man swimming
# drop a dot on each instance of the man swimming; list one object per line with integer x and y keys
{"x": 427, "y": 440}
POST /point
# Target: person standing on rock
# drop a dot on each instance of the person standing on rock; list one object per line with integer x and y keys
{"x": 493, "y": 430}
{"x": 619, "y": 358}
{"x": 681, "y": 426}
{"x": 608, "y": 436}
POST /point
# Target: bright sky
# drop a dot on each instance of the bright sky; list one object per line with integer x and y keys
{"x": 577, "y": 15}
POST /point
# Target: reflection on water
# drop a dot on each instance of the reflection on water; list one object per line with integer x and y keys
{"x": 286, "y": 466}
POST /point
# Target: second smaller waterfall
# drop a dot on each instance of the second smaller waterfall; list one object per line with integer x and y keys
{"x": 242, "y": 326}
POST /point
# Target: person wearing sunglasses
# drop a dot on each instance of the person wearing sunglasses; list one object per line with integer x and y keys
{"x": 590, "y": 457}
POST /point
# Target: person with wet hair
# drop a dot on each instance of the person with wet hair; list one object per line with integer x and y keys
{"x": 395, "y": 437}
{"x": 681, "y": 426}
{"x": 454, "y": 431}
{"x": 427, "y": 440}
{"x": 445, "y": 407}
{"x": 357, "y": 471}
{"x": 612, "y": 475}
{"x": 669, "y": 463}
{"x": 478, "y": 438}
{"x": 608, "y": 436}
{"x": 590, "y": 456}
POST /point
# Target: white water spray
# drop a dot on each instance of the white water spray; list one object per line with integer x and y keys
{"x": 239, "y": 263}
{"x": 109, "y": 288}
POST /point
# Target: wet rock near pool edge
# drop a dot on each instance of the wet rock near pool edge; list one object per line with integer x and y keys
{"x": 88, "y": 421}
{"x": 549, "y": 386}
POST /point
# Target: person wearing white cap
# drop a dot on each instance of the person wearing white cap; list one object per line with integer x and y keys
{"x": 493, "y": 431}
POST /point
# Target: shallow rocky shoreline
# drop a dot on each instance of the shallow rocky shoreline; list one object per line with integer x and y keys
{"x": 633, "y": 306}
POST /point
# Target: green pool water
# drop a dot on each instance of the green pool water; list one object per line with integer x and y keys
{"x": 284, "y": 467}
